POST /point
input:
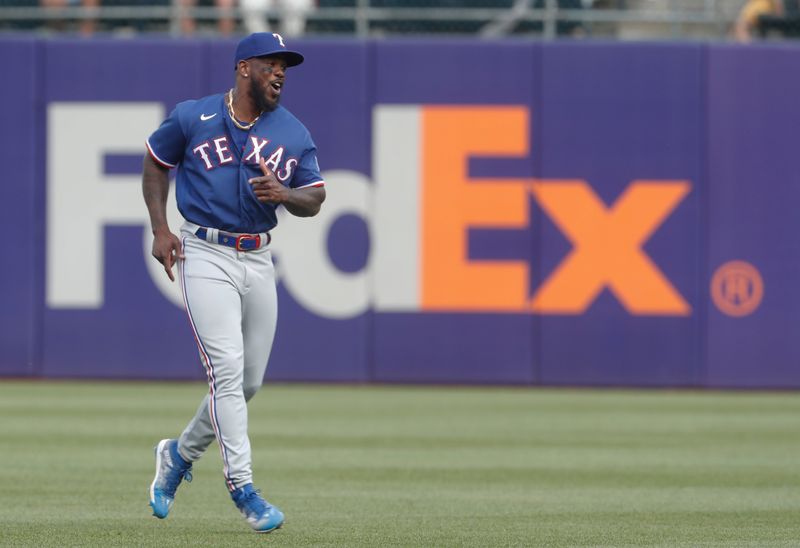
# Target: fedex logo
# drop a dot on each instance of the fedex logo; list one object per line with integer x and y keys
{"x": 422, "y": 205}
{"x": 419, "y": 207}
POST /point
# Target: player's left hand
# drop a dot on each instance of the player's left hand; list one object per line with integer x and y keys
{"x": 167, "y": 249}
{"x": 268, "y": 189}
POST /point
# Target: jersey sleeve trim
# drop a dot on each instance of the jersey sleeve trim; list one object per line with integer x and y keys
{"x": 315, "y": 183}
{"x": 164, "y": 163}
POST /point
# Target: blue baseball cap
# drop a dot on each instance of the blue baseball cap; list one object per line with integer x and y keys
{"x": 262, "y": 44}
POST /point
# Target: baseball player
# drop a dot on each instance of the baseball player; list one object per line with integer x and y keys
{"x": 238, "y": 155}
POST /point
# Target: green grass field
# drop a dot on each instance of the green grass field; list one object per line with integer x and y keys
{"x": 398, "y": 466}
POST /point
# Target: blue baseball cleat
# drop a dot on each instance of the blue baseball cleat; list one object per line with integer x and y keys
{"x": 170, "y": 470}
{"x": 261, "y": 515}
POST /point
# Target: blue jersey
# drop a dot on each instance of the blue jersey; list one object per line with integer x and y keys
{"x": 215, "y": 159}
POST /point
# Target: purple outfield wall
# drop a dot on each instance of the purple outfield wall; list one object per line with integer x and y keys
{"x": 498, "y": 212}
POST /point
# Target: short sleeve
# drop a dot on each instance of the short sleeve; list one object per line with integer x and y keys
{"x": 307, "y": 174}
{"x": 167, "y": 143}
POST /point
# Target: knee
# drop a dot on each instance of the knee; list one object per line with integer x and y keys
{"x": 250, "y": 391}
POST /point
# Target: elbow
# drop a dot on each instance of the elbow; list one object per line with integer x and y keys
{"x": 309, "y": 211}
{"x": 320, "y": 196}
{"x": 306, "y": 202}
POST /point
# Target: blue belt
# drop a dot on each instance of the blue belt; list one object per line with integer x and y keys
{"x": 240, "y": 242}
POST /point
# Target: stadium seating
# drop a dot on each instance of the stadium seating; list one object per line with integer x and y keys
{"x": 623, "y": 19}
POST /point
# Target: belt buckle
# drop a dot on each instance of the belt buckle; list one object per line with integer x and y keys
{"x": 242, "y": 238}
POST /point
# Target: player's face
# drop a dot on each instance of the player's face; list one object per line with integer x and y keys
{"x": 268, "y": 75}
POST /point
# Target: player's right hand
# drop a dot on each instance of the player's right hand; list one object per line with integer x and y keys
{"x": 167, "y": 250}
{"x": 267, "y": 188}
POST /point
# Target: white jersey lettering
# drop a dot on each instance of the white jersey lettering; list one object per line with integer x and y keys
{"x": 258, "y": 144}
{"x": 221, "y": 146}
{"x": 202, "y": 151}
{"x": 286, "y": 172}
{"x": 275, "y": 159}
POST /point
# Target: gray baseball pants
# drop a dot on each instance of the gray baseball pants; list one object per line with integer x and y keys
{"x": 231, "y": 301}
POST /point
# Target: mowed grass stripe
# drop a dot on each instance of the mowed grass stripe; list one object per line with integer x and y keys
{"x": 408, "y": 466}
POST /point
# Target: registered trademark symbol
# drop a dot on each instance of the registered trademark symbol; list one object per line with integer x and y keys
{"x": 737, "y": 288}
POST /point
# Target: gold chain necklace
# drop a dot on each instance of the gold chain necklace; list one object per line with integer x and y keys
{"x": 232, "y": 114}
